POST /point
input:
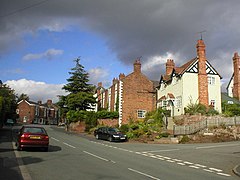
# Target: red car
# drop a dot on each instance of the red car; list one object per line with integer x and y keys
{"x": 32, "y": 136}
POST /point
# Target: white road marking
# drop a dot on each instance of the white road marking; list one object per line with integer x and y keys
{"x": 206, "y": 147}
{"x": 182, "y": 164}
{"x": 178, "y": 160}
{"x": 168, "y": 159}
{"x": 55, "y": 139}
{"x": 195, "y": 167}
{"x": 165, "y": 150}
{"x": 223, "y": 174}
{"x": 199, "y": 165}
{"x": 69, "y": 145}
{"x": 96, "y": 156}
{"x": 214, "y": 169}
{"x": 189, "y": 163}
{"x": 144, "y": 174}
{"x": 208, "y": 170}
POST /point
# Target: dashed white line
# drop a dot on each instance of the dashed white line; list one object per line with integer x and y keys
{"x": 199, "y": 165}
{"x": 214, "y": 169}
{"x": 195, "y": 167}
{"x": 144, "y": 174}
{"x": 182, "y": 164}
{"x": 96, "y": 156}
{"x": 223, "y": 174}
{"x": 206, "y": 147}
{"x": 69, "y": 145}
{"x": 55, "y": 139}
{"x": 164, "y": 150}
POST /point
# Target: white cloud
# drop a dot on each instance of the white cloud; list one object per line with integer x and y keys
{"x": 49, "y": 54}
{"x": 154, "y": 61}
{"x": 36, "y": 90}
{"x": 98, "y": 75}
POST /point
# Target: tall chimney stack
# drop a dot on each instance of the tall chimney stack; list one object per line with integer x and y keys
{"x": 202, "y": 75}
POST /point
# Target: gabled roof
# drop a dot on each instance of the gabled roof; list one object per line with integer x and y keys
{"x": 178, "y": 71}
{"x": 230, "y": 81}
{"x": 181, "y": 70}
{"x": 228, "y": 99}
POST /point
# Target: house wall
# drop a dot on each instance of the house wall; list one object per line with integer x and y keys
{"x": 190, "y": 89}
{"x": 137, "y": 94}
{"x": 26, "y": 112}
{"x": 214, "y": 93}
{"x": 230, "y": 88}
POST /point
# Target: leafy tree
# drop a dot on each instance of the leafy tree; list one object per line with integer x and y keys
{"x": 8, "y": 104}
{"x": 23, "y": 97}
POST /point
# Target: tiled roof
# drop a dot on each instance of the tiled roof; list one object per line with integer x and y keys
{"x": 183, "y": 68}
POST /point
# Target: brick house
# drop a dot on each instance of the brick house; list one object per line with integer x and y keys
{"x": 132, "y": 96}
{"x": 35, "y": 112}
{"x": 196, "y": 81}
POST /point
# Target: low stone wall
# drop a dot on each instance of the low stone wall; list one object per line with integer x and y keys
{"x": 77, "y": 126}
{"x": 108, "y": 122}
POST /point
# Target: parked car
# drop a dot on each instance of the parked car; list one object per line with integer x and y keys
{"x": 9, "y": 122}
{"x": 31, "y": 137}
{"x": 110, "y": 134}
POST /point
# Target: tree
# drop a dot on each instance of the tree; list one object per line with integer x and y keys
{"x": 23, "y": 97}
{"x": 80, "y": 95}
{"x": 78, "y": 81}
{"x": 8, "y": 104}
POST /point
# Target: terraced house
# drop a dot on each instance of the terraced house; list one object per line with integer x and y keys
{"x": 35, "y": 112}
{"x": 132, "y": 96}
{"x": 196, "y": 81}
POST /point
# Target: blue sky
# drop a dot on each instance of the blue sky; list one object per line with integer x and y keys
{"x": 39, "y": 39}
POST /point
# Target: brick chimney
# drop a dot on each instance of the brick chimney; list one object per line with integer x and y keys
{"x": 100, "y": 84}
{"x": 137, "y": 66}
{"x": 114, "y": 81}
{"x": 170, "y": 65}
{"x": 49, "y": 102}
{"x": 202, "y": 75}
{"x": 236, "y": 77}
{"x": 121, "y": 76}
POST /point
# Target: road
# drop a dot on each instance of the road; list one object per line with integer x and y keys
{"x": 73, "y": 157}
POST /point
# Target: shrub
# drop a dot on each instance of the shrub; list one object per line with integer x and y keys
{"x": 185, "y": 139}
{"x": 124, "y": 128}
{"x": 104, "y": 114}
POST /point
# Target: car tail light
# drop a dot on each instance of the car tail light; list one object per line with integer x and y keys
{"x": 45, "y": 137}
{"x": 24, "y": 136}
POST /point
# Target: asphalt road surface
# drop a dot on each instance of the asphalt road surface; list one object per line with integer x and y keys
{"x": 72, "y": 157}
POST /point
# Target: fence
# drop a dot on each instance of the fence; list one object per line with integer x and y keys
{"x": 209, "y": 122}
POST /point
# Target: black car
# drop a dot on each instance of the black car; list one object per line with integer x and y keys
{"x": 110, "y": 134}
{"x": 9, "y": 122}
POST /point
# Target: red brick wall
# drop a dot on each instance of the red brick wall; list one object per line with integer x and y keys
{"x": 108, "y": 122}
{"x": 25, "y": 110}
{"x": 137, "y": 95}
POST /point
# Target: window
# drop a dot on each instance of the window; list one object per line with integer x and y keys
{"x": 211, "y": 80}
{"x": 178, "y": 102}
{"x": 141, "y": 113}
{"x": 212, "y": 103}
{"x": 164, "y": 103}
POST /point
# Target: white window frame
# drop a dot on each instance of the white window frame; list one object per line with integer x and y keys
{"x": 211, "y": 80}
{"x": 141, "y": 113}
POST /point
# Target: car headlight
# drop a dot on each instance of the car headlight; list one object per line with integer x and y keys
{"x": 115, "y": 136}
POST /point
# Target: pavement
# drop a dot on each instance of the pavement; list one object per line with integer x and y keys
{"x": 9, "y": 163}
{"x": 236, "y": 170}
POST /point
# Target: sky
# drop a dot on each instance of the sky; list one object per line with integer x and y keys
{"x": 40, "y": 39}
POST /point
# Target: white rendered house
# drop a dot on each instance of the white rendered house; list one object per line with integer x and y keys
{"x": 196, "y": 81}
